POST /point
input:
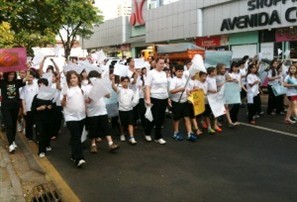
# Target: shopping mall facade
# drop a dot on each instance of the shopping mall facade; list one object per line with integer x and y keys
{"x": 246, "y": 27}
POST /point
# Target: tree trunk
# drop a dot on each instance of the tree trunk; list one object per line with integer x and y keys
{"x": 67, "y": 51}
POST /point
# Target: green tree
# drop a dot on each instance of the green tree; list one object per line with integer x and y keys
{"x": 6, "y": 35}
{"x": 35, "y": 21}
{"x": 78, "y": 17}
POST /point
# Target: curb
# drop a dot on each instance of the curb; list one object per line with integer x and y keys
{"x": 31, "y": 159}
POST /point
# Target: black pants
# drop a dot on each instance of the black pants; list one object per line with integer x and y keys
{"x": 29, "y": 119}
{"x": 76, "y": 129}
{"x": 158, "y": 111}
{"x": 141, "y": 112}
{"x": 98, "y": 126}
{"x": 274, "y": 102}
{"x": 234, "y": 112}
{"x": 45, "y": 133}
{"x": 253, "y": 108}
{"x": 57, "y": 121}
{"x": 10, "y": 121}
{"x": 135, "y": 114}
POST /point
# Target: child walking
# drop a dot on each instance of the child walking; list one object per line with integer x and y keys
{"x": 43, "y": 114}
{"x": 211, "y": 89}
{"x": 180, "y": 107}
{"x": 74, "y": 114}
{"x": 125, "y": 98}
{"x": 97, "y": 118}
{"x": 253, "y": 93}
{"x": 27, "y": 94}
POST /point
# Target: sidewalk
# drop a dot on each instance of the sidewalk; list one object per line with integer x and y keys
{"x": 19, "y": 172}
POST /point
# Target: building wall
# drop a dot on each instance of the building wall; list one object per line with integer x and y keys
{"x": 111, "y": 33}
{"x": 214, "y": 15}
{"x": 178, "y": 20}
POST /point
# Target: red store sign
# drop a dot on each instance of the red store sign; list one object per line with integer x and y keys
{"x": 136, "y": 17}
{"x": 212, "y": 41}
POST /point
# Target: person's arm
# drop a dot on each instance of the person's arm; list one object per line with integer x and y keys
{"x": 55, "y": 65}
{"x": 40, "y": 70}
{"x": 113, "y": 85}
{"x": 135, "y": 76}
{"x": 174, "y": 90}
{"x": 148, "y": 95}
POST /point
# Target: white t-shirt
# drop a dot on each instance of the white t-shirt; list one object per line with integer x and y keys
{"x": 178, "y": 83}
{"x": 211, "y": 83}
{"x": 251, "y": 78}
{"x": 186, "y": 74}
{"x": 236, "y": 76}
{"x": 57, "y": 95}
{"x": 269, "y": 75}
{"x": 292, "y": 91}
{"x": 192, "y": 84}
{"x": 158, "y": 83}
{"x": 27, "y": 94}
{"x": 125, "y": 97}
{"x": 243, "y": 73}
{"x": 220, "y": 80}
{"x": 203, "y": 86}
{"x": 130, "y": 75}
{"x": 95, "y": 107}
{"x": 140, "y": 87}
{"x": 75, "y": 109}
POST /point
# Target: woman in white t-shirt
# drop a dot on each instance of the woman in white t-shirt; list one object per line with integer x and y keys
{"x": 291, "y": 83}
{"x": 253, "y": 93}
{"x": 156, "y": 94}
{"x": 74, "y": 108}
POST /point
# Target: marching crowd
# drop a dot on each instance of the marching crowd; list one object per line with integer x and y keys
{"x": 45, "y": 99}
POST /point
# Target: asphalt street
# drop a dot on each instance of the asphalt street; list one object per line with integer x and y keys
{"x": 239, "y": 164}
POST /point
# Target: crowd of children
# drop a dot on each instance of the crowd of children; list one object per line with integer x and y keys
{"x": 46, "y": 99}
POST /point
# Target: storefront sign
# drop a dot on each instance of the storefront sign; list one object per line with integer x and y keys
{"x": 262, "y": 18}
{"x": 286, "y": 34}
{"x": 212, "y": 41}
{"x": 137, "y": 16}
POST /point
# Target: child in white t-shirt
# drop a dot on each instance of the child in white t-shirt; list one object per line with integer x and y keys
{"x": 180, "y": 107}
{"x": 125, "y": 99}
{"x": 211, "y": 89}
{"x": 26, "y": 95}
{"x": 253, "y": 93}
{"x": 97, "y": 118}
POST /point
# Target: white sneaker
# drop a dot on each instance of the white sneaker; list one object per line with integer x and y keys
{"x": 42, "y": 155}
{"x": 48, "y": 149}
{"x": 80, "y": 163}
{"x": 15, "y": 145}
{"x": 148, "y": 138}
{"x": 132, "y": 140}
{"x": 11, "y": 148}
{"x": 123, "y": 139}
{"x": 160, "y": 141}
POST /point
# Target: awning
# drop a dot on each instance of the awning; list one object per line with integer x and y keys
{"x": 136, "y": 39}
{"x": 178, "y": 47}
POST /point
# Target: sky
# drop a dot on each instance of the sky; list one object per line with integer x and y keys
{"x": 108, "y": 7}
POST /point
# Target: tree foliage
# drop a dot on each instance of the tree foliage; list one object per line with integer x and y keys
{"x": 36, "y": 22}
{"x": 6, "y": 36}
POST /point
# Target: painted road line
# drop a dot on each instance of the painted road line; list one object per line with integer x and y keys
{"x": 52, "y": 174}
{"x": 269, "y": 129}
